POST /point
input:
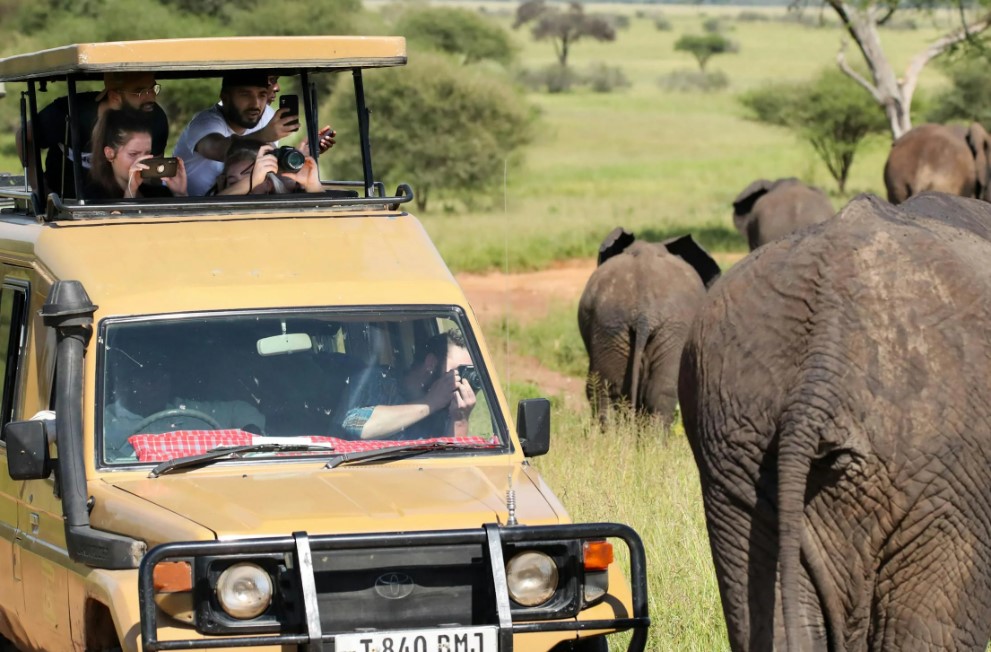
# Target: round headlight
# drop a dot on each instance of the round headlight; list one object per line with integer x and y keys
{"x": 532, "y": 578}
{"x": 244, "y": 590}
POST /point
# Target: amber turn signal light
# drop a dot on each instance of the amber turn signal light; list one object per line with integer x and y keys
{"x": 598, "y": 555}
{"x": 172, "y": 577}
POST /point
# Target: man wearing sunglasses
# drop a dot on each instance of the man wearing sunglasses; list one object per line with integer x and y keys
{"x": 122, "y": 90}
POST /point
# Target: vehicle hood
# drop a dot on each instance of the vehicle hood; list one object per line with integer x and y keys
{"x": 353, "y": 499}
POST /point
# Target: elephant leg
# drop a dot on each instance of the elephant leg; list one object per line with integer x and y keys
{"x": 598, "y": 397}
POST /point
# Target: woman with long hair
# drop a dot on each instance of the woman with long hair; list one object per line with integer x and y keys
{"x": 121, "y": 142}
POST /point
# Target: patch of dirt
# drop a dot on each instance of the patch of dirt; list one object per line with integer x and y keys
{"x": 526, "y": 297}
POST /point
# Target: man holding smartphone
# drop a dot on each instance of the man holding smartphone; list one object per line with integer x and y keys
{"x": 243, "y": 112}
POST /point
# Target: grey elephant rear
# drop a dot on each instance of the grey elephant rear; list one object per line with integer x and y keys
{"x": 766, "y": 210}
{"x": 834, "y": 389}
{"x": 634, "y": 316}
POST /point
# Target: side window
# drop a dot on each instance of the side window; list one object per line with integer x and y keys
{"x": 13, "y": 300}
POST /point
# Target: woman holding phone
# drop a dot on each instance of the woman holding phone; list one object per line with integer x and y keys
{"x": 122, "y": 165}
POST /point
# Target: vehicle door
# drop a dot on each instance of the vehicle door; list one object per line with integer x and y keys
{"x": 40, "y": 555}
{"x": 11, "y": 344}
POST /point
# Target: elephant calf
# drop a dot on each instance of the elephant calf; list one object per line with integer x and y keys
{"x": 634, "y": 315}
{"x": 767, "y": 210}
{"x": 951, "y": 159}
{"x": 834, "y": 390}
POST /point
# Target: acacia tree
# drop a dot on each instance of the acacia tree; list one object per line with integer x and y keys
{"x": 830, "y": 113}
{"x": 563, "y": 28}
{"x": 703, "y": 47}
{"x": 892, "y": 92}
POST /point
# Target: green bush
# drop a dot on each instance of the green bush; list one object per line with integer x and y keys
{"x": 460, "y": 32}
{"x": 969, "y": 95}
{"x": 603, "y": 78}
{"x": 662, "y": 23}
{"x": 552, "y": 78}
{"x": 687, "y": 81}
{"x": 444, "y": 128}
{"x": 751, "y": 16}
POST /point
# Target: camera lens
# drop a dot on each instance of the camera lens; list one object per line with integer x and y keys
{"x": 290, "y": 159}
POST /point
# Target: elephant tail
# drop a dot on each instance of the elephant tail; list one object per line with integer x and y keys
{"x": 640, "y": 333}
{"x": 795, "y": 453}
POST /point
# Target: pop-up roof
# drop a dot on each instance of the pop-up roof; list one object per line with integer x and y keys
{"x": 201, "y": 56}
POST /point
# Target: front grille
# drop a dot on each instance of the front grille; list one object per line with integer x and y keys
{"x": 386, "y": 588}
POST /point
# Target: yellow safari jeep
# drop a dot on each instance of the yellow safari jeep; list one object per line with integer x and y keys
{"x": 186, "y": 389}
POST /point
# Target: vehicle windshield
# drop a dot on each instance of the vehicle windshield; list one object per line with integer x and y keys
{"x": 173, "y": 388}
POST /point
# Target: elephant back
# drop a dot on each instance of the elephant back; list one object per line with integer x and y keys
{"x": 931, "y": 157}
{"x": 835, "y": 382}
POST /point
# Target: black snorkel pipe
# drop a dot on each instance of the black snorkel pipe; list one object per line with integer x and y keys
{"x": 69, "y": 311}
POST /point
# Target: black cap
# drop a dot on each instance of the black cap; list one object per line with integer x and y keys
{"x": 245, "y": 78}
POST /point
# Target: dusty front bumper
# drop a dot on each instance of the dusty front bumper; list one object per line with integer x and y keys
{"x": 328, "y": 588}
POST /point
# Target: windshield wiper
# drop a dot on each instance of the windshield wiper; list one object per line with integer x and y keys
{"x": 399, "y": 452}
{"x": 226, "y": 452}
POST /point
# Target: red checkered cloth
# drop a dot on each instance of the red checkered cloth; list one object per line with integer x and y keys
{"x": 180, "y": 443}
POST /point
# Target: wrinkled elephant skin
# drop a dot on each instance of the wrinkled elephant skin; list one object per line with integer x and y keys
{"x": 835, "y": 391}
{"x": 766, "y": 210}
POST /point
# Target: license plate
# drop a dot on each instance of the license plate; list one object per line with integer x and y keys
{"x": 454, "y": 639}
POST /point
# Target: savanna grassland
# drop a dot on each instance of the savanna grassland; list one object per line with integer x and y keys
{"x": 652, "y": 160}
{"x": 659, "y": 163}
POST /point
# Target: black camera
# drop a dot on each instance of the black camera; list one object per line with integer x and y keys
{"x": 469, "y": 373}
{"x": 290, "y": 159}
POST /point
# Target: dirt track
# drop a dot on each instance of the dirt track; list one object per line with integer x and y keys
{"x": 526, "y": 297}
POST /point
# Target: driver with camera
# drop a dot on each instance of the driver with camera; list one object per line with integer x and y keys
{"x": 433, "y": 398}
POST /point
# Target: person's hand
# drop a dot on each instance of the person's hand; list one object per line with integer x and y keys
{"x": 177, "y": 184}
{"x": 281, "y": 125}
{"x": 307, "y": 176}
{"x": 264, "y": 163}
{"x": 325, "y": 140}
{"x": 442, "y": 391}
{"x": 134, "y": 177}
{"x": 464, "y": 399}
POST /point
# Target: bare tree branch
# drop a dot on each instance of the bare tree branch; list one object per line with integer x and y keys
{"x": 854, "y": 75}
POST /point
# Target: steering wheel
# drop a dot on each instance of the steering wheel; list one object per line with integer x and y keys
{"x": 175, "y": 412}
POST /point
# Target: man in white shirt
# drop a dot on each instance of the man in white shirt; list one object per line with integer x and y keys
{"x": 243, "y": 111}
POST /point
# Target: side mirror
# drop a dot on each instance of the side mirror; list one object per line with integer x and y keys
{"x": 533, "y": 423}
{"x": 27, "y": 450}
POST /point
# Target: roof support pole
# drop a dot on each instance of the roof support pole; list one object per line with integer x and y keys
{"x": 366, "y": 149}
{"x": 75, "y": 136}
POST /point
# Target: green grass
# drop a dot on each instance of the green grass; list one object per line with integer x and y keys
{"x": 645, "y": 477}
{"x": 656, "y": 161}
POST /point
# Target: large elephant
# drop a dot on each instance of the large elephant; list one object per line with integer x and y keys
{"x": 634, "y": 315}
{"x": 767, "y": 210}
{"x": 943, "y": 158}
{"x": 834, "y": 389}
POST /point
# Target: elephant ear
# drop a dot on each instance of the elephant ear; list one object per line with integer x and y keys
{"x": 615, "y": 243}
{"x": 744, "y": 202}
{"x": 692, "y": 253}
{"x": 977, "y": 140}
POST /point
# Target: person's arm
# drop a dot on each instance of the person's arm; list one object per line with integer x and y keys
{"x": 264, "y": 163}
{"x": 379, "y": 421}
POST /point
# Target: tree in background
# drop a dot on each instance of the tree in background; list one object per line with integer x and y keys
{"x": 831, "y": 113}
{"x": 564, "y": 27}
{"x": 442, "y": 127}
{"x": 458, "y": 32}
{"x": 969, "y": 95}
{"x": 893, "y": 93}
{"x": 704, "y": 47}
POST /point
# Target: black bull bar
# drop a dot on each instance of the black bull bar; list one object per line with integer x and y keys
{"x": 301, "y": 546}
